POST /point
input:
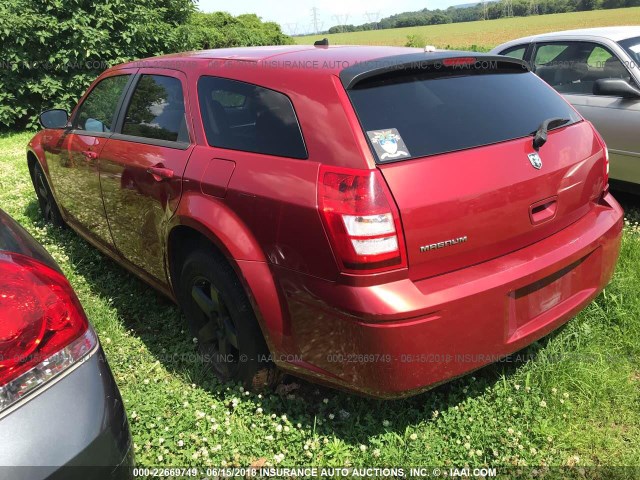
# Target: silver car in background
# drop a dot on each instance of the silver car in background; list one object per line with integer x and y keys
{"x": 598, "y": 71}
{"x": 61, "y": 414}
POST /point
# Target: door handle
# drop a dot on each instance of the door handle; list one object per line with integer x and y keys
{"x": 160, "y": 173}
{"x": 89, "y": 155}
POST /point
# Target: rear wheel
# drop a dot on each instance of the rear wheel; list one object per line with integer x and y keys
{"x": 47, "y": 203}
{"x": 221, "y": 318}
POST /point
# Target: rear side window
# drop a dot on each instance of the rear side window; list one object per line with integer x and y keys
{"x": 515, "y": 52}
{"x": 156, "y": 110}
{"x": 97, "y": 112}
{"x": 414, "y": 114}
{"x": 243, "y": 116}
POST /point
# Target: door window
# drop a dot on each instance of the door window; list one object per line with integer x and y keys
{"x": 156, "y": 110}
{"x": 574, "y": 67}
{"x": 97, "y": 112}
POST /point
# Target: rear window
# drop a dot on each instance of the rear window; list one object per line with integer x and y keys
{"x": 413, "y": 115}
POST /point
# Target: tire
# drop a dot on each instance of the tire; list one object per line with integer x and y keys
{"x": 48, "y": 206}
{"x": 221, "y": 318}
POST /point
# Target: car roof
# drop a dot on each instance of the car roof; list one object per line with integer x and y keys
{"x": 612, "y": 33}
{"x": 291, "y": 56}
{"x": 288, "y": 58}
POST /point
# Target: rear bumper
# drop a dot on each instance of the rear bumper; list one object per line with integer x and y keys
{"x": 400, "y": 338}
{"x": 74, "y": 428}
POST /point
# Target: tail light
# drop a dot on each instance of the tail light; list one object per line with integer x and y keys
{"x": 43, "y": 329}
{"x": 459, "y": 61}
{"x": 361, "y": 220}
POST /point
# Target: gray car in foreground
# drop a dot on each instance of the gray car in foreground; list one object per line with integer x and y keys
{"x": 61, "y": 414}
{"x": 597, "y": 71}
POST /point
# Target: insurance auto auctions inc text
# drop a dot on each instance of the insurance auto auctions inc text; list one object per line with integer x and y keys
{"x": 365, "y": 472}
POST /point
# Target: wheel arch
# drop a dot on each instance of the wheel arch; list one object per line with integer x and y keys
{"x": 32, "y": 160}
{"x": 35, "y": 155}
{"x": 186, "y": 233}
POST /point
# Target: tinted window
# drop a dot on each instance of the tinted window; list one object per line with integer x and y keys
{"x": 97, "y": 112}
{"x": 515, "y": 52}
{"x": 598, "y": 57}
{"x": 242, "y": 116}
{"x": 423, "y": 115}
{"x": 156, "y": 110}
{"x": 228, "y": 99}
{"x": 574, "y": 67}
{"x": 548, "y": 53}
{"x": 632, "y": 47}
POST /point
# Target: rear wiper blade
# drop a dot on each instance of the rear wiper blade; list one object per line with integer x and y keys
{"x": 540, "y": 135}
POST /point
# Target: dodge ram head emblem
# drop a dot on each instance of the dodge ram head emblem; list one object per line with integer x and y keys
{"x": 535, "y": 160}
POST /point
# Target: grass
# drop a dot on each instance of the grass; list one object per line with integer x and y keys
{"x": 482, "y": 35}
{"x": 570, "y": 399}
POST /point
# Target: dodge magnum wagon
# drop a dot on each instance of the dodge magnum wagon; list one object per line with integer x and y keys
{"x": 373, "y": 218}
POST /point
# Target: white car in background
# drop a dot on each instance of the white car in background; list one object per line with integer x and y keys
{"x": 598, "y": 71}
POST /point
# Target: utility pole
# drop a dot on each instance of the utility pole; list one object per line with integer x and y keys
{"x": 485, "y": 13}
{"x": 292, "y": 28}
{"x": 341, "y": 21}
{"x": 314, "y": 16}
{"x": 372, "y": 17}
{"x": 337, "y": 18}
{"x": 507, "y": 8}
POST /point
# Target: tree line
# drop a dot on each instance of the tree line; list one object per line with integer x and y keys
{"x": 521, "y": 8}
{"x": 53, "y": 49}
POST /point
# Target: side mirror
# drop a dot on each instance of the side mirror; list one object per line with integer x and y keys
{"x": 615, "y": 87}
{"x": 54, "y": 118}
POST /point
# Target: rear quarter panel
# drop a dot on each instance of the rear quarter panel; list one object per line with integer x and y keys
{"x": 261, "y": 210}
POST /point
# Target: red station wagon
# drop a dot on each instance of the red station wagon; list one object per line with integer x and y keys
{"x": 378, "y": 219}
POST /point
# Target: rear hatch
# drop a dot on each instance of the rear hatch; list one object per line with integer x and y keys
{"x": 454, "y": 143}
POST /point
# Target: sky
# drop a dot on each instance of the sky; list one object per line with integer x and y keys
{"x": 295, "y": 16}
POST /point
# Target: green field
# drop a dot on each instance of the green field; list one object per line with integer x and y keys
{"x": 571, "y": 399}
{"x": 484, "y": 35}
